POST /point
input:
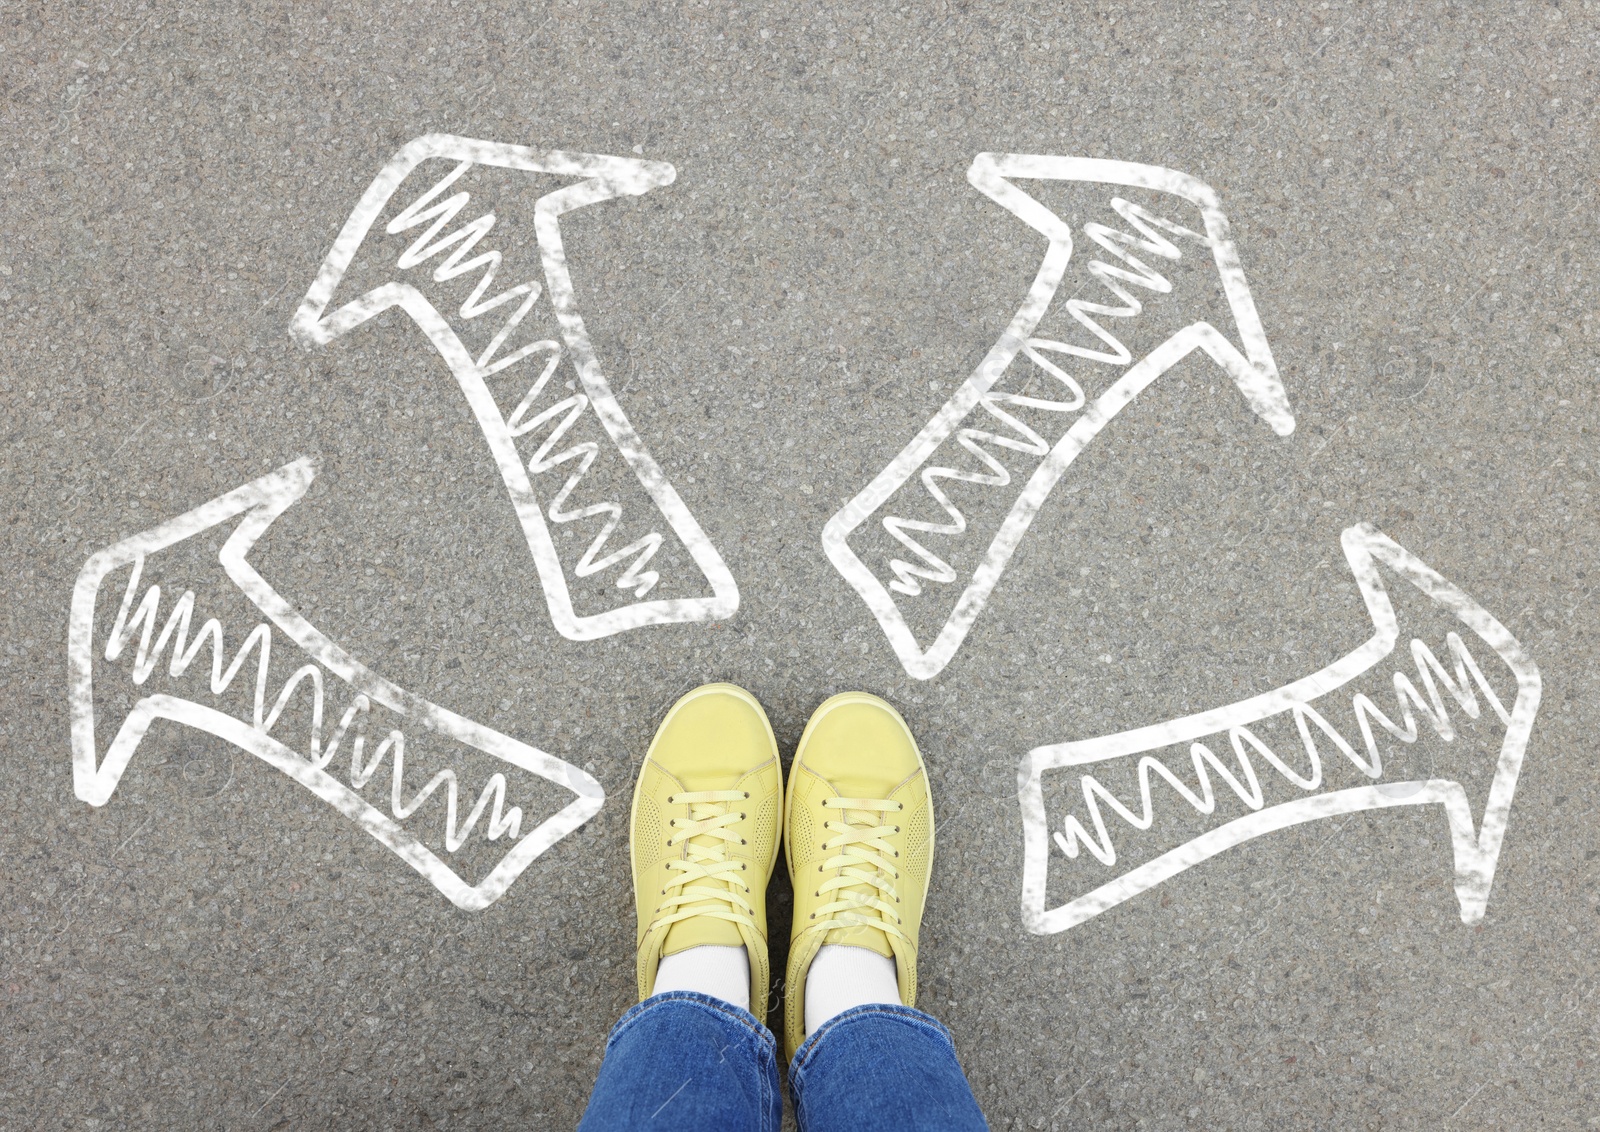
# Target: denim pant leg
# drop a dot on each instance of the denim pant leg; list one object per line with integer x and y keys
{"x": 888, "y": 1068}
{"x": 687, "y": 1062}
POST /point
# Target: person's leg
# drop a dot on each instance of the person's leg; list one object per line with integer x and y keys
{"x": 888, "y": 1068}
{"x": 859, "y": 836}
{"x": 703, "y": 838}
{"x": 683, "y": 1062}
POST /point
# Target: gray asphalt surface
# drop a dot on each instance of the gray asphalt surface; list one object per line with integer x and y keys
{"x": 1412, "y": 190}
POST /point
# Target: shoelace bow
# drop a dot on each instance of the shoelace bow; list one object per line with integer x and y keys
{"x": 707, "y": 835}
{"x": 865, "y": 860}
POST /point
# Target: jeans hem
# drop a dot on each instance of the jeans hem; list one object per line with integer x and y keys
{"x": 910, "y": 1014}
{"x": 709, "y": 1003}
{"x": 643, "y": 1046}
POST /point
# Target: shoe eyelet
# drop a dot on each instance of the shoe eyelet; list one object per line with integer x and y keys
{"x": 747, "y": 793}
{"x": 897, "y": 829}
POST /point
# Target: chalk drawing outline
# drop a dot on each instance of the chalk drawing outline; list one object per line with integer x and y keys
{"x": 1253, "y": 371}
{"x": 1476, "y": 849}
{"x": 256, "y": 505}
{"x": 606, "y": 177}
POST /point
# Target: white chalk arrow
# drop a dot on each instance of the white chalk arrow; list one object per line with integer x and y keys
{"x": 1248, "y": 363}
{"x": 253, "y": 508}
{"x": 1227, "y": 741}
{"x": 544, "y": 416}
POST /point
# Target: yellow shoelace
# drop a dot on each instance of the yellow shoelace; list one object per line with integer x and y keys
{"x": 707, "y": 835}
{"x": 865, "y": 861}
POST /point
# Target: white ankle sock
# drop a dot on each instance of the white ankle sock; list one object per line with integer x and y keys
{"x": 721, "y": 972}
{"x": 841, "y": 977}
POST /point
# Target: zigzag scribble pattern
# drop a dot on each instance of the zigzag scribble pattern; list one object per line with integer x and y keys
{"x": 434, "y": 241}
{"x": 1246, "y": 784}
{"x": 1121, "y": 245}
{"x": 1118, "y": 245}
{"x": 184, "y": 652}
{"x": 565, "y": 413}
{"x": 431, "y": 243}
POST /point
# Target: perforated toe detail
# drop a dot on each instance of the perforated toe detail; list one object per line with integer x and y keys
{"x": 801, "y": 838}
{"x": 649, "y": 833}
{"x": 766, "y": 825}
{"x": 915, "y": 853}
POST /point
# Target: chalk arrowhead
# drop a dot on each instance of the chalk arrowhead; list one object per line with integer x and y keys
{"x": 525, "y": 440}
{"x": 177, "y": 645}
{"x": 1434, "y": 692}
{"x": 985, "y": 416}
{"x": 1247, "y": 357}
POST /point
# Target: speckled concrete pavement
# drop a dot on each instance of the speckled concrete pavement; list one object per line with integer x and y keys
{"x": 1412, "y": 192}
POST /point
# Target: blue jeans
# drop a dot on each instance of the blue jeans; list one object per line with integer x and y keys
{"x": 687, "y": 1062}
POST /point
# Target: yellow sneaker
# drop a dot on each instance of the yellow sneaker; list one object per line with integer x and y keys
{"x": 859, "y": 842}
{"x": 704, "y": 833}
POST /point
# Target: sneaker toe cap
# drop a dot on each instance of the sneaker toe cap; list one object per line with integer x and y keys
{"x": 862, "y": 747}
{"x": 713, "y": 738}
